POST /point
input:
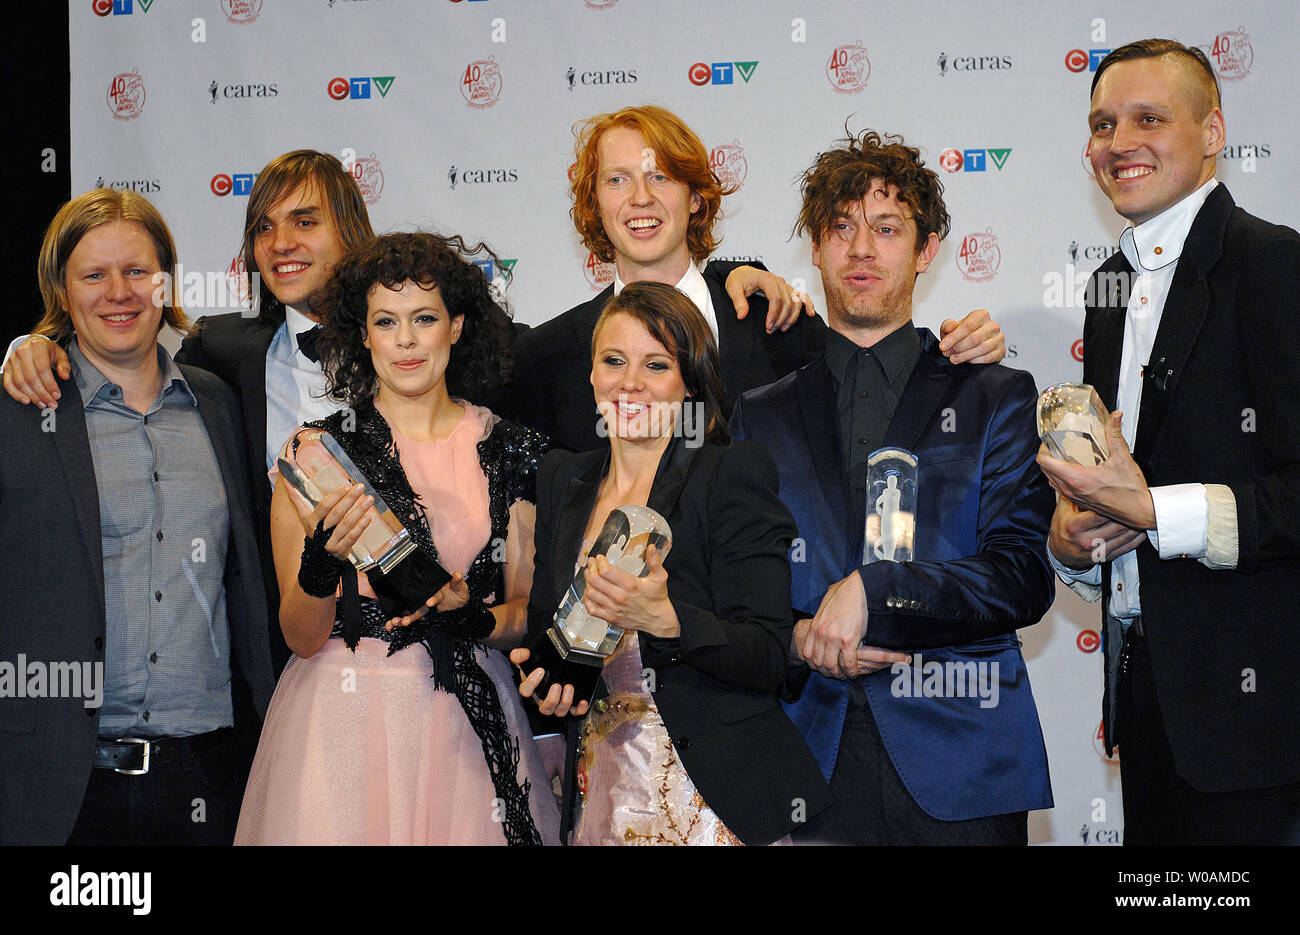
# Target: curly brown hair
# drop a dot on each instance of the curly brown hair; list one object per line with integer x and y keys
{"x": 844, "y": 174}
{"x": 481, "y": 360}
{"x": 677, "y": 151}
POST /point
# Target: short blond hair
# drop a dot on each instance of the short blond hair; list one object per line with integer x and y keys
{"x": 74, "y": 221}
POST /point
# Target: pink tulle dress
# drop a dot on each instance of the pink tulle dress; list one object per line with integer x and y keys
{"x": 362, "y": 748}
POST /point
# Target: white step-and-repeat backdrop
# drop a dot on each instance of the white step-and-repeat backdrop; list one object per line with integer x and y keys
{"x": 456, "y": 116}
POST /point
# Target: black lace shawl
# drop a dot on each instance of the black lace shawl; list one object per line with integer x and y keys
{"x": 509, "y": 457}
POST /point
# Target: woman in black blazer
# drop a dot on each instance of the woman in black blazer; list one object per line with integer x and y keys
{"x": 686, "y": 742}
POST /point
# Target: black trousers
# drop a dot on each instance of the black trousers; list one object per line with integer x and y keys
{"x": 1161, "y": 808}
{"x": 873, "y": 807}
{"x": 193, "y": 800}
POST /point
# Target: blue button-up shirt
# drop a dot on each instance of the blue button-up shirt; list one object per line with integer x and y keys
{"x": 165, "y": 529}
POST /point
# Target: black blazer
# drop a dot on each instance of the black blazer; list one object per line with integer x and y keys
{"x": 552, "y": 380}
{"x": 1226, "y": 414}
{"x": 52, "y": 595}
{"x": 729, "y": 581}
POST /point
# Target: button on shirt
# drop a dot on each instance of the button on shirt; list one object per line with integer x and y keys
{"x": 695, "y": 289}
{"x": 1152, "y": 249}
{"x": 869, "y": 382}
{"x": 295, "y": 386}
{"x": 165, "y": 528}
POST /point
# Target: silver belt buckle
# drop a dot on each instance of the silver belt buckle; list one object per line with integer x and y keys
{"x": 135, "y": 772}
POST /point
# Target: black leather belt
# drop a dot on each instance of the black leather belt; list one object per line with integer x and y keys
{"x": 135, "y": 756}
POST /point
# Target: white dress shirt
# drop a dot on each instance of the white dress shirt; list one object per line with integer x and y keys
{"x": 295, "y": 386}
{"x": 696, "y": 289}
{"x": 1184, "y": 513}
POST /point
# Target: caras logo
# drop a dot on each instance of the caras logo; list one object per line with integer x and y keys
{"x": 240, "y": 91}
{"x": 599, "y": 77}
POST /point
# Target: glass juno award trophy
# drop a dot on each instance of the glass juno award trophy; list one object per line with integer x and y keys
{"x": 891, "y": 506}
{"x": 574, "y": 647}
{"x": 402, "y": 576}
{"x": 1072, "y": 423}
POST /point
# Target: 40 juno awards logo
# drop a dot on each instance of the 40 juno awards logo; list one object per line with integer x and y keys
{"x": 369, "y": 173}
{"x": 1233, "y": 54}
{"x": 238, "y": 284}
{"x": 599, "y": 275}
{"x": 126, "y": 95}
{"x": 979, "y": 256}
{"x": 848, "y": 68}
{"x": 241, "y": 11}
{"x": 481, "y": 83}
{"x": 728, "y": 164}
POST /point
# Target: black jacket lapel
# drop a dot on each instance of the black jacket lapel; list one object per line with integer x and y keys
{"x": 735, "y": 341}
{"x": 816, "y": 393}
{"x": 925, "y": 390}
{"x": 1181, "y": 321}
{"x": 579, "y": 499}
{"x": 1103, "y": 329}
{"x": 252, "y": 390}
{"x": 72, "y": 441}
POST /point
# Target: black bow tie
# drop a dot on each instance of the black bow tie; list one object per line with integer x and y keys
{"x": 307, "y": 343}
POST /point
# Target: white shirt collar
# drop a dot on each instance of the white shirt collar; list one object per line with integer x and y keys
{"x": 1156, "y": 243}
{"x": 295, "y": 323}
{"x": 693, "y": 284}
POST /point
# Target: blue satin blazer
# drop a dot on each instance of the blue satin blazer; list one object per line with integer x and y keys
{"x": 964, "y": 748}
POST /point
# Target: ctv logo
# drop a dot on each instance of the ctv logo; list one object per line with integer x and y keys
{"x": 720, "y": 72}
{"x": 358, "y": 89}
{"x": 492, "y": 268}
{"x": 972, "y": 160}
{"x": 117, "y": 7}
{"x": 240, "y": 183}
{"x": 1078, "y": 59}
